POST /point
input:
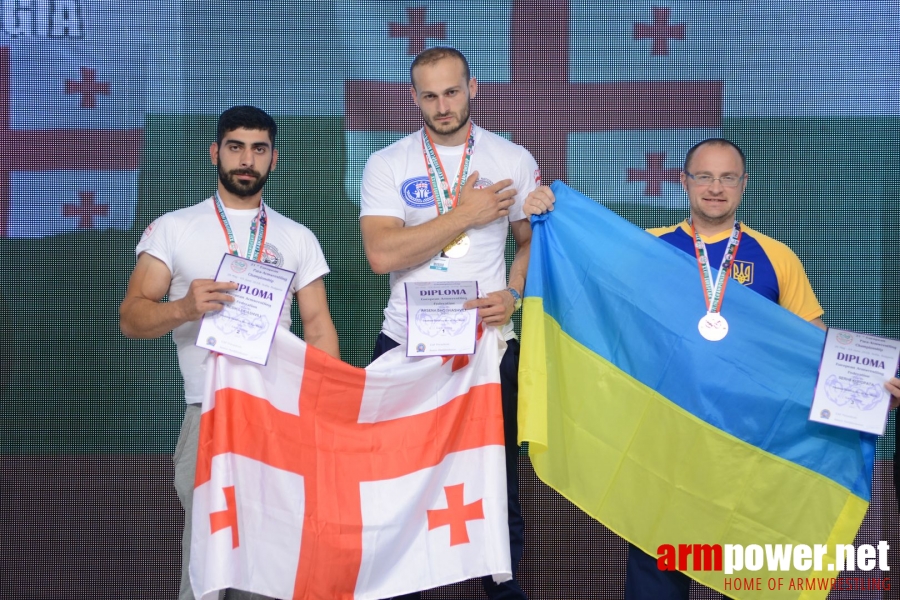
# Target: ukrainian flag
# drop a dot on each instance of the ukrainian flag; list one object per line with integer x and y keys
{"x": 660, "y": 435}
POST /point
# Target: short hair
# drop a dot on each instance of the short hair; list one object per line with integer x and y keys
{"x": 432, "y": 55}
{"x": 245, "y": 117}
{"x": 715, "y": 142}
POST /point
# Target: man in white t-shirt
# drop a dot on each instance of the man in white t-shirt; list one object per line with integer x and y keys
{"x": 437, "y": 206}
{"x": 178, "y": 257}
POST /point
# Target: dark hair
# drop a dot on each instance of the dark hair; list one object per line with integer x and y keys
{"x": 715, "y": 142}
{"x": 245, "y": 117}
{"x": 432, "y": 55}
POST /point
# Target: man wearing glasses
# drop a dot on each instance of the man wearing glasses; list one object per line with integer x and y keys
{"x": 714, "y": 178}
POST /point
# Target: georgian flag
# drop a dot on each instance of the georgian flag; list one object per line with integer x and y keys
{"x": 614, "y": 132}
{"x": 621, "y": 90}
{"x": 316, "y": 479}
{"x": 72, "y": 111}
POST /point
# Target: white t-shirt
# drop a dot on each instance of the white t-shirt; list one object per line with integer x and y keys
{"x": 191, "y": 243}
{"x": 395, "y": 184}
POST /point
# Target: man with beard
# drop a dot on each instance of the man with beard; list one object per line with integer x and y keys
{"x": 437, "y": 206}
{"x": 178, "y": 257}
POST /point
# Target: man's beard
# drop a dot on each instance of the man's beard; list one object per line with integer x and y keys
{"x": 239, "y": 188}
{"x": 448, "y": 129}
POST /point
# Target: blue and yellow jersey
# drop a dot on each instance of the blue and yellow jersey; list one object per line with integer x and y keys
{"x": 763, "y": 264}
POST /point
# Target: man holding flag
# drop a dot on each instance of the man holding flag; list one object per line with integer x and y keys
{"x": 437, "y": 206}
{"x": 178, "y": 256}
{"x": 714, "y": 177}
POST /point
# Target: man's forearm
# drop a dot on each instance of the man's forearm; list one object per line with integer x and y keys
{"x": 324, "y": 337}
{"x": 141, "y": 318}
{"x": 394, "y": 248}
{"x": 519, "y": 268}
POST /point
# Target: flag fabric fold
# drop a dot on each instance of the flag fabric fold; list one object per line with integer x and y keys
{"x": 316, "y": 479}
{"x": 662, "y": 436}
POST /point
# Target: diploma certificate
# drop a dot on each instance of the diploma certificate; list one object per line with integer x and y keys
{"x": 246, "y": 327}
{"x": 436, "y": 322}
{"x": 850, "y": 390}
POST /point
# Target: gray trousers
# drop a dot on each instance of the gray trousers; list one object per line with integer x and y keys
{"x": 185, "y": 459}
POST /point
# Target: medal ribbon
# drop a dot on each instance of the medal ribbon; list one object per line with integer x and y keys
{"x": 257, "y": 230}
{"x": 715, "y": 292}
{"x": 444, "y": 198}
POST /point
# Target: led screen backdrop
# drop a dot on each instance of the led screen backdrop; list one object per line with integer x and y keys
{"x": 107, "y": 109}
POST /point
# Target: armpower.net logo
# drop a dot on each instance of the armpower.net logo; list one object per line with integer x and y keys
{"x": 740, "y": 564}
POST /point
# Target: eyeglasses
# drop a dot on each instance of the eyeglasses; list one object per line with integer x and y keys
{"x": 729, "y": 181}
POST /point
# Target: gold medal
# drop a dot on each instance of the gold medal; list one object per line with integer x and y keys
{"x": 458, "y": 247}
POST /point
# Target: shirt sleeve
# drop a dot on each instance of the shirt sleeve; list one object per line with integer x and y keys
{"x": 527, "y": 179}
{"x": 377, "y": 193}
{"x": 311, "y": 259}
{"x": 157, "y": 241}
{"x": 795, "y": 291}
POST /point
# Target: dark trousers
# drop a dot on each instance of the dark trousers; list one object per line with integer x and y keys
{"x": 644, "y": 580}
{"x": 509, "y": 386}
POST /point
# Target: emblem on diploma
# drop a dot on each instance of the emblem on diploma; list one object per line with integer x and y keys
{"x": 458, "y": 247}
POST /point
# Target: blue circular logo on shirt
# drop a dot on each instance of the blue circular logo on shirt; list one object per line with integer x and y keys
{"x": 416, "y": 192}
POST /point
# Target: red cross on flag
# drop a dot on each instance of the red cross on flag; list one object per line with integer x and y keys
{"x": 316, "y": 479}
{"x": 72, "y": 112}
{"x": 613, "y": 122}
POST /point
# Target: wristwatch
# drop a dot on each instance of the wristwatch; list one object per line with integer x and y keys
{"x": 517, "y": 298}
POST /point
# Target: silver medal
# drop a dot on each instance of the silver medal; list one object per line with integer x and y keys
{"x": 713, "y": 327}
